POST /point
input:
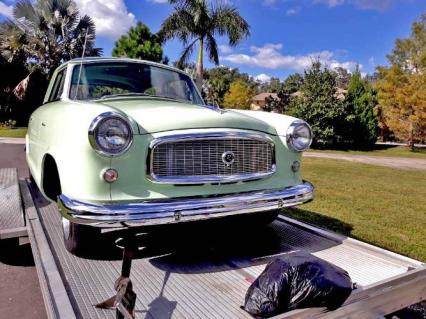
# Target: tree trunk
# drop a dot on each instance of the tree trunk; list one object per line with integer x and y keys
{"x": 411, "y": 137}
{"x": 199, "y": 75}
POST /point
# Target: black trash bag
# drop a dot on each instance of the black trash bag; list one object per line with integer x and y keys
{"x": 297, "y": 280}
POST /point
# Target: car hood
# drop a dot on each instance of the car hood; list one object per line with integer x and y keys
{"x": 154, "y": 116}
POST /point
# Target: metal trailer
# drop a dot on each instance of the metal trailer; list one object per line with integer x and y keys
{"x": 207, "y": 282}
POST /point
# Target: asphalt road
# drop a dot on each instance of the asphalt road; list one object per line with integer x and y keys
{"x": 20, "y": 295}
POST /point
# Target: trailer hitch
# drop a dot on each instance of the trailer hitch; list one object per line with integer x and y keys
{"x": 125, "y": 299}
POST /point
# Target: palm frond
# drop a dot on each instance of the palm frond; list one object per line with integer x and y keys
{"x": 227, "y": 21}
{"x": 179, "y": 25}
{"x": 24, "y": 9}
{"x": 211, "y": 47}
{"x": 186, "y": 54}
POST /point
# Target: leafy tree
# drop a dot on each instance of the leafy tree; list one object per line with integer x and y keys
{"x": 284, "y": 101}
{"x": 402, "y": 86}
{"x": 402, "y": 99}
{"x": 16, "y": 71}
{"x": 218, "y": 81}
{"x": 293, "y": 83}
{"x": 239, "y": 95}
{"x": 48, "y": 32}
{"x": 277, "y": 104}
{"x": 272, "y": 86}
{"x": 362, "y": 120}
{"x": 319, "y": 106}
{"x": 410, "y": 54}
{"x": 139, "y": 43}
{"x": 195, "y": 22}
{"x": 343, "y": 77}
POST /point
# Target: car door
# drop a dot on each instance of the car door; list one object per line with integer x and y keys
{"x": 39, "y": 125}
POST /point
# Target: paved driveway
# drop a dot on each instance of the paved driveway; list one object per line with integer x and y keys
{"x": 13, "y": 155}
{"x": 393, "y": 162}
{"x": 20, "y": 295}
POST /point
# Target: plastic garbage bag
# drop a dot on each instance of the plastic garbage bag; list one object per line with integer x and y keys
{"x": 297, "y": 280}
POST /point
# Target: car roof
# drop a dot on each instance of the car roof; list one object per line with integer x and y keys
{"x": 114, "y": 59}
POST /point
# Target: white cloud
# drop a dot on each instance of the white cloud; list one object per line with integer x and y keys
{"x": 159, "y": 1}
{"x": 373, "y": 4}
{"x": 270, "y": 57}
{"x": 362, "y": 4}
{"x": 372, "y": 61}
{"x": 111, "y": 17}
{"x": 225, "y": 49}
{"x": 269, "y": 2}
{"x": 6, "y": 10}
{"x": 292, "y": 11}
{"x": 331, "y": 3}
{"x": 262, "y": 78}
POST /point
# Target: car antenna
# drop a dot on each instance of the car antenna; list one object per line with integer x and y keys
{"x": 81, "y": 63}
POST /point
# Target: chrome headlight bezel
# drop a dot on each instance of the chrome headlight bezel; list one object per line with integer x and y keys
{"x": 291, "y": 136}
{"x": 93, "y": 132}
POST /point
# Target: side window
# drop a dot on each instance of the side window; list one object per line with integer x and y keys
{"x": 58, "y": 87}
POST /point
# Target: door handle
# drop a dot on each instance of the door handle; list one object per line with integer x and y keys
{"x": 43, "y": 124}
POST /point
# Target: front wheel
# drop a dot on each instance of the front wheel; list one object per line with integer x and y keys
{"x": 79, "y": 239}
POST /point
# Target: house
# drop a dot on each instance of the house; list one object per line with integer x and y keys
{"x": 259, "y": 101}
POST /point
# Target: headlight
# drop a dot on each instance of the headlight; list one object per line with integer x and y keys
{"x": 299, "y": 136}
{"x": 110, "y": 134}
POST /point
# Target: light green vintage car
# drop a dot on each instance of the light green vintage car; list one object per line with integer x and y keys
{"x": 128, "y": 143}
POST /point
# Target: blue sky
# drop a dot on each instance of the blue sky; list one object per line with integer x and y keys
{"x": 285, "y": 34}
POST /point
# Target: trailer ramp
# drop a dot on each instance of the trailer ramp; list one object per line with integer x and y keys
{"x": 208, "y": 278}
{"x": 12, "y": 222}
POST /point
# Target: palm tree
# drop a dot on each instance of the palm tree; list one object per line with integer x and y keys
{"x": 47, "y": 32}
{"x": 194, "y": 21}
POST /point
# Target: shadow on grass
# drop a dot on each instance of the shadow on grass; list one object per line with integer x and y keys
{"x": 317, "y": 219}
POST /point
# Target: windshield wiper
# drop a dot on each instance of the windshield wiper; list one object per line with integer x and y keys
{"x": 107, "y": 96}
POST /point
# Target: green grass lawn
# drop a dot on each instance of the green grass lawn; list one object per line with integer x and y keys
{"x": 13, "y": 132}
{"x": 383, "y": 150}
{"x": 382, "y": 206}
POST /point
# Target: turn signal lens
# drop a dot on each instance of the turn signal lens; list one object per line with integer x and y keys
{"x": 110, "y": 175}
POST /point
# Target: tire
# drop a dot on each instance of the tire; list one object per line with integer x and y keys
{"x": 80, "y": 240}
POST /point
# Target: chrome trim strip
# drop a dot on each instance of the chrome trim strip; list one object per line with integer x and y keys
{"x": 156, "y": 212}
{"x": 200, "y": 179}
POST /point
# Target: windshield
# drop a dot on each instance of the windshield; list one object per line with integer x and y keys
{"x": 112, "y": 79}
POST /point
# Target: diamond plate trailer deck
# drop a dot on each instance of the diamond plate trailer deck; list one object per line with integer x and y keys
{"x": 209, "y": 278}
{"x": 12, "y": 222}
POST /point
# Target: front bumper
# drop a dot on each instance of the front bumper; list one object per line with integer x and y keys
{"x": 157, "y": 212}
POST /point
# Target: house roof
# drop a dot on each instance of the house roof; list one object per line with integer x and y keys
{"x": 263, "y": 96}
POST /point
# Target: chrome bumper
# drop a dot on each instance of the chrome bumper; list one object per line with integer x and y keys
{"x": 156, "y": 212}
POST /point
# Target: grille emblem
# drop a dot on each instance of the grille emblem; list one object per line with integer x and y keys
{"x": 228, "y": 158}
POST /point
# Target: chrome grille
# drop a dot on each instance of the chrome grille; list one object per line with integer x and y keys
{"x": 189, "y": 160}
